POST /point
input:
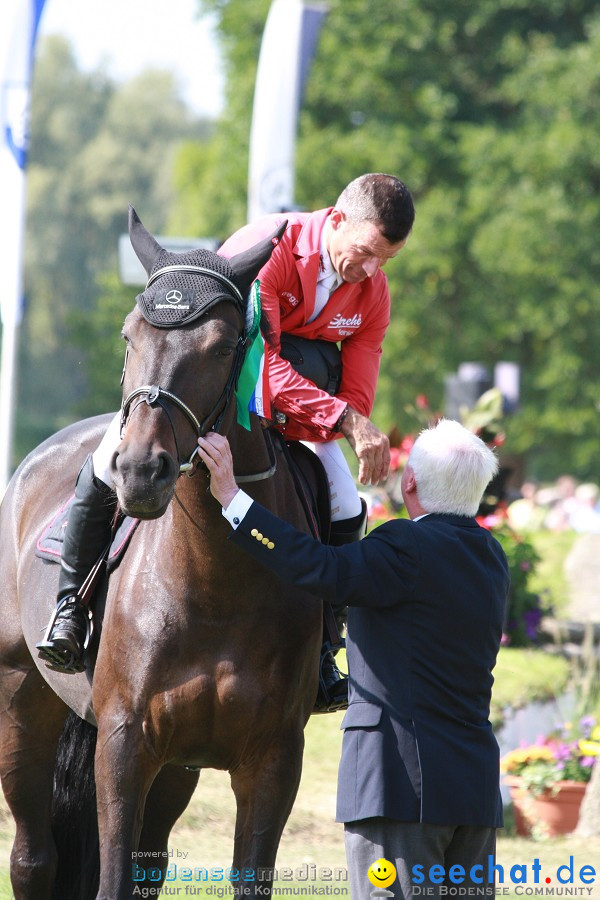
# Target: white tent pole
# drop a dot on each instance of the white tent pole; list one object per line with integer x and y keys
{"x": 288, "y": 40}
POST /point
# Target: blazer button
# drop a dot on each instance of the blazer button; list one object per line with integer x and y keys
{"x": 270, "y": 545}
{"x": 254, "y": 532}
{"x": 265, "y": 540}
{"x": 258, "y": 536}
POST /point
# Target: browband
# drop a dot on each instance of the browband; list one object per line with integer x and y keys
{"x": 201, "y": 271}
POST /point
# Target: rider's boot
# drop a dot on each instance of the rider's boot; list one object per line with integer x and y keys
{"x": 333, "y": 686}
{"x": 86, "y": 537}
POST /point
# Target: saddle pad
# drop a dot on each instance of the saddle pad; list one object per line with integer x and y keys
{"x": 49, "y": 544}
{"x": 312, "y": 485}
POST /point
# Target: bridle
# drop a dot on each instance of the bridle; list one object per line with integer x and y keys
{"x": 154, "y": 395}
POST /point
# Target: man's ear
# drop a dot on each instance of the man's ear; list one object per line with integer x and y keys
{"x": 410, "y": 484}
{"x": 336, "y": 217}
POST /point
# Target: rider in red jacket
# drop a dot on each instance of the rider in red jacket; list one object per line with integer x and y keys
{"x": 356, "y": 314}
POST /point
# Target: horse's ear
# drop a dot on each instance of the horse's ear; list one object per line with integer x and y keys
{"x": 146, "y": 248}
{"x": 248, "y": 264}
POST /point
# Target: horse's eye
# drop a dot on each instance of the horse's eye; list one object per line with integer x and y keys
{"x": 225, "y": 350}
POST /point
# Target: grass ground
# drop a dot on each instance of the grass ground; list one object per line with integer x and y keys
{"x": 312, "y": 837}
{"x": 203, "y": 837}
{"x": 549, "y": 578}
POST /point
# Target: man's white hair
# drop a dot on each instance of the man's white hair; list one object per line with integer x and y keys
{"x": 452, "y": 468}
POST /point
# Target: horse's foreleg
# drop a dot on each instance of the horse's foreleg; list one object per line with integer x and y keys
{"x": 265, "y": 790}
{"x": 167, "y": 799}
{"x": 31, "y": 721}
{"x": 124, "y": 773}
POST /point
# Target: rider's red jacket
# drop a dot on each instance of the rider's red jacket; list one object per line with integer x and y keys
{"x": 357, "y": 315}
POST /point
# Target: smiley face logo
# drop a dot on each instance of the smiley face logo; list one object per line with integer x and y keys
{"x": 381, "y": 873}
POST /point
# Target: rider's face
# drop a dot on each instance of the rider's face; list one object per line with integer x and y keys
{"x": 358, "y": 249}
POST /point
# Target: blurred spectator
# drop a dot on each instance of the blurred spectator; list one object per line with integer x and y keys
{"x": 558, "y": 518}
{"x": 562, "y": 506}
{"x": 525, "y": 513}
{"x": 585, "y": 513}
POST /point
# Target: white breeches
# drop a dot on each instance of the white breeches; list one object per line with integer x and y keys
{"x": 104, "y": 452}
{"x": 345, "y": 502}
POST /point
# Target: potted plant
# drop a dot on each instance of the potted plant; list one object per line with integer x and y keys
{"x": 547, "y": 780}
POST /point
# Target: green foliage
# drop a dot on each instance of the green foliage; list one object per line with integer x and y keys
{"x": 524, "y": 609}
{"x": 95, "y": 148}
{"x": 489, "y": 112}
{"x": 487, "y": 109}
{"x": 105, "y": 356}
{"x": 548, "y": 577}
{"x": 523, "y": 675}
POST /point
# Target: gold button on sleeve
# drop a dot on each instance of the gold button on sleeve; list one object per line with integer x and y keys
{"x": 254, "y": 532}
{"x": 265, "y": 540}
{"x": 258, "y": 536}
{"x": 270, "y": 545}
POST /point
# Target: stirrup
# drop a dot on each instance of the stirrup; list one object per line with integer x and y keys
{"x": 325, "y": 702}
{"x": 62, "y": 660}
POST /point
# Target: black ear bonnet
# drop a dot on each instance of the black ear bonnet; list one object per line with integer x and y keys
{"x": 183, "y": 286}
{"x": 175, "y": 297}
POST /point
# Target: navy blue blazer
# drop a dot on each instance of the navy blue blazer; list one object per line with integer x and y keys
{"x": 427, "y": 604}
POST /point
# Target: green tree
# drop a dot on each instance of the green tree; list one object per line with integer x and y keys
{"x": 96, "y": 147}
{"x": 489, "y": 111}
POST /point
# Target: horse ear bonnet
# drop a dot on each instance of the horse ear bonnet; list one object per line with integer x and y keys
{"x": 183, "y": 286}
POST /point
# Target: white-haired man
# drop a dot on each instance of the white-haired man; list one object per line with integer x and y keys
{"x": 419, "y": 774}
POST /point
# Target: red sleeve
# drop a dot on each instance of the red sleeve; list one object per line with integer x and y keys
{"x": 312, "y": 412}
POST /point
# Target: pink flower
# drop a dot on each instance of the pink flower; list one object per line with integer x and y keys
{"x": 406, "y": 443}
{"x": 395, "y": 459}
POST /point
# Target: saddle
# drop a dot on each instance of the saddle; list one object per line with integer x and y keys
{"x": 49, "y": 543}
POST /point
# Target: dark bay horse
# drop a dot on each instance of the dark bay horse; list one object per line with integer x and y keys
{"x": 204, "y": 660}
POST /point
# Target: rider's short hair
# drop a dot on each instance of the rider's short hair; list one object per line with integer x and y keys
{"x": 382, "y": 199}
{"x": 452, "y": 467}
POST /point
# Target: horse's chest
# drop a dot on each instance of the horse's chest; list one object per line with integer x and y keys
{"x": 204, "y": 716}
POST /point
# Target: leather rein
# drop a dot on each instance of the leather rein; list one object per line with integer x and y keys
{"x": 154, "y": 395}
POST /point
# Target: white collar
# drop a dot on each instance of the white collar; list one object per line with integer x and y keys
{"x": 326, "y": 270}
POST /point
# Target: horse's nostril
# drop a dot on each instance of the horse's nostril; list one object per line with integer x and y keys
{"x": 165, "y": 468}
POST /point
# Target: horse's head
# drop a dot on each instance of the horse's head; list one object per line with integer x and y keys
{"x": 185, "y": 345}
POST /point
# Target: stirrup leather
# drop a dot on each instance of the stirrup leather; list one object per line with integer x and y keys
{"x": 65, "y": 660}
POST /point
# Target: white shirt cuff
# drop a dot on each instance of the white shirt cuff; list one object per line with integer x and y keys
{"x": 238, "y": 508}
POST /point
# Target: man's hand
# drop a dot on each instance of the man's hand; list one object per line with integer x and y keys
{"x": 371, "y": 446}
{"x": 216, "y": 455}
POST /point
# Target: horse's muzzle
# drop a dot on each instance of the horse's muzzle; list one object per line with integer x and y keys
{"x": 145, "y": 485}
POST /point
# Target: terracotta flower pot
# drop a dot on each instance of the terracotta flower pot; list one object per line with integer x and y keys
{"x": 555, "y": 812}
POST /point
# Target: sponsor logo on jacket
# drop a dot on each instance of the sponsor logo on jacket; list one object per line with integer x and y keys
{"x": 342, "y": 323}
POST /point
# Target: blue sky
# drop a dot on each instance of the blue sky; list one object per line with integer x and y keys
{"x": 128, "y": 36}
